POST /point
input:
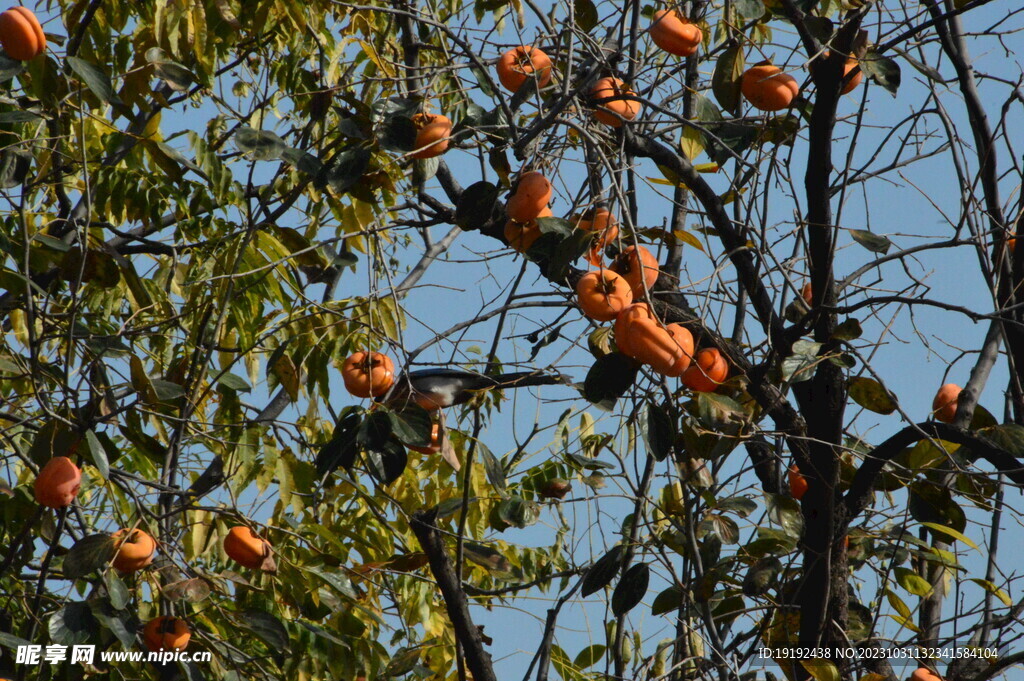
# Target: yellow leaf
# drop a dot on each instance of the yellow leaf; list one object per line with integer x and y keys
{"x": 949, "y": 531}
{"x": 691, "y": 143}
{"x": 284, "y": 369}
{"x": 707, "y": 167}
{"x": 821, "y": 669}
{"x": 688, "y": 239}
{"x": 377, "y": 60}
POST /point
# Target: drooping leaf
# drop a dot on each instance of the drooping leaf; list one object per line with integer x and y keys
{"x": 493, "y": 468}
{"x": 95, "y": 79}
{"x": 870, "y": 394}
{"x": 585, "y": 15}
{"x": 631, "y": 589}
{"x": 341, "y": 450}
{"x": 660, "y": 432}
{"x": 89, "y": 554}
{"x": 601, "y": 573}
{"x": 477, "y": 205}
{"x": 72, "y": 625}
{"x": 668, "y": 600}
{"x": 412, "y": 425}
{"x": 263, "y": 145}
{"x": 387, "y": 462}
{"x": 609, "y": 378}
{"x": 882, "y": 70}
{"x": 725, "y": 81}
{"x": 873, "y": 242}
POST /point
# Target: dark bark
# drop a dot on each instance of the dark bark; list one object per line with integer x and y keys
{"x": 477, "y": 659}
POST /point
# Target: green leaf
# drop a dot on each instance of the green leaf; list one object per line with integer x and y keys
{"x": 412, "y": 425}
{"x": 660, "y": 432}
{"x": 882, "y": 70}
{"x": 12, "y": 642}
{"x": 870, "y": 394}
{"x": 631, "y": 589}
{"x": 262, "y": 145}
{"x": 928, "y": 72}
{"x": 603, "y": 571}
{"x": 234, "y": 382}
{"x": 95, "y": 79}
{"x": 387, "y": 462}
{"x": 912, "y": 582}
{"x": 930, "y": 503}
{"x": 609, "y": 378}
{"x": 9, "y": 68}
{"x": 585, "y": 15}
{"x": 14, "y": 166}
{"x": 590, "y": 656}
{"x": 98, "y": 454}
{"x": 518, "y": 512}
{"x": 799, "y": 366}
{"x": 72, "y": 625}
{"x": 723, "y": 527}
{"x": 347, "y": 168}
{"x": 89, "y": 554}
{"x": 493, "y": 468}
{"x": 847, "y": 331}
{"x": 488, "y": 558}
{"x": 873, "y": 242}
{"x": 725, "y": 81}
{"x": 341, "y": 450}
{"x": 668, "y": 600}
{"x": 751, "y": 9}
{"x": 266, "y": 627}
{"x": 477, "y": 205}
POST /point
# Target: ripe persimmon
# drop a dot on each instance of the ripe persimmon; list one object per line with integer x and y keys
{"x": 521, "y": 235}
{"x": 638, "y": 267}
{"x": 368, "y": 374}
{"x": 924, "y": 674}
{"x": 432, "y": 133}
{"x": 166, "y": 633}
{"x": 248, "y": 549}
{"x": 668, "y": 350}
{"x": 626, "y": 317}
{"x": 135, "y": 549}
{"x": 21, "y": 34}
{"x": 602, "y": 223}
{"x": 797, "y": 483}
{"x": 850, "y": 86}
{"x": 610, "y": 99}
{"x": 673, "y": 32}
{"x": 58, "y": 482}
{"x": 767, "y": 88}
{"x": 944, "y": 404}
{"x": 707, "y": 372}
{"x": 531, "y": 197}
{"x": 603, "y": 294}
{"x": 807, "y": 294}
{"x": 435, "y": 442}
{"x": 519, "y": 63}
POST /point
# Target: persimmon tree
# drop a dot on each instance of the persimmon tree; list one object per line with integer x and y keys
{"x": 209, "y": 206}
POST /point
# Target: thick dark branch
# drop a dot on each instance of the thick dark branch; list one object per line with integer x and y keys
{"x": 859, "y": 495}
{"x": 731, "y": 238}
{"x": 477, "y": 659}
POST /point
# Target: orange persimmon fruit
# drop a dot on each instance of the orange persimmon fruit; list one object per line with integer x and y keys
{"x": 767, "y": 88}
{"x": 368, "y": 374}
{"x": 520, "y": 63}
